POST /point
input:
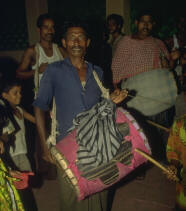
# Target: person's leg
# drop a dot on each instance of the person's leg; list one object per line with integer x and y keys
{"x": 68, "y": 198}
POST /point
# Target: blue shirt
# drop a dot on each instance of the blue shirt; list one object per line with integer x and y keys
{"x": 61, "y": 80}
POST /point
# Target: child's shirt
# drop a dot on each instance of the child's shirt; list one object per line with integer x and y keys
{"x": 20, "y": 141}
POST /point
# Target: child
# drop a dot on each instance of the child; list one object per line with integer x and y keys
{"x": 9, "y": 197}
{"x": 10, "y": 99}
{"x": 176, "y": 155}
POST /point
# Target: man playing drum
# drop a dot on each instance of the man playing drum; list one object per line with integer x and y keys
{"x": 138, "y": 54}
{"x": 72, "y": 84}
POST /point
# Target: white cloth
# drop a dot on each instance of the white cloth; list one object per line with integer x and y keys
{"x": 20, "y": 141}
{"x": 43, "y": 58}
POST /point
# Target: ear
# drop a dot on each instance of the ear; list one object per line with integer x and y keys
{"x": 63, "y": 41}
{"x": 88, "y": 42}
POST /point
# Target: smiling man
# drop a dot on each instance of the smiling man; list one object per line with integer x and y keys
{"x": 72, "y": 84}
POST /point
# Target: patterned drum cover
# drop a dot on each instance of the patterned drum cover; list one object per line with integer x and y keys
{"x": 155, "y": 91}
{"x": 100, "y": 178}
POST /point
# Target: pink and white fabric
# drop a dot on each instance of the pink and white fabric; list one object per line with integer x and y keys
{"x": 134, "y": 56}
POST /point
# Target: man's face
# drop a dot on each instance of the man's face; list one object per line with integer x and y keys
{"x": 144, "y": 25}
{"x": 112, "y": 26}
{"x": 76, "y": 42}
{"x": 47, "y": 30}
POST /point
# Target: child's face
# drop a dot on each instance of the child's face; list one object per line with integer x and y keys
{"x": 13, "y": 96}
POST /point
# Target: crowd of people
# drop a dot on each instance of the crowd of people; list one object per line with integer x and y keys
{"x": 62, "y": 72}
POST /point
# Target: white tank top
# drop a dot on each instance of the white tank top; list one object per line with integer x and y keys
{"x": 20, "y": 141}
{"x": 43, "y": 58}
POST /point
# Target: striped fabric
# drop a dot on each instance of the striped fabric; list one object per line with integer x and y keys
{"x": 97, "y": 135}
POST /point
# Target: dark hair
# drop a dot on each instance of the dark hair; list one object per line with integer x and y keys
{"x": 6, "y": 85}
{"x": 6, "y": 111}
{"x": 74, "y": 23}
{"x": 117, "y": 18}
{"x": 43, "y": 17}
{"x": 148, "y": 12}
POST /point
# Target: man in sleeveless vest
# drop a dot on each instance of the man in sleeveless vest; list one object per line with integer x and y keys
{"x": 34, "y": 62}
{"x": 37, "y": 57}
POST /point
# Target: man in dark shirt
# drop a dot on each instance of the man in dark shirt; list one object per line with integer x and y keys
{"x": 72, "y": 84}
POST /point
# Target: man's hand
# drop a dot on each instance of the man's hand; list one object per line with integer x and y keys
{"x": 14, "y": 173}
{"x": 43, "y": 67}
{"x": 118, "y": 95}
{"x": 172, "y": 173}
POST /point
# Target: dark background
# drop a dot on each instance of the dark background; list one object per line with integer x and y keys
{"x": 14, "y": 35}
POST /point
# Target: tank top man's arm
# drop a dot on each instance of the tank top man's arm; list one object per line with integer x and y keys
{"x": 24, "y": 70}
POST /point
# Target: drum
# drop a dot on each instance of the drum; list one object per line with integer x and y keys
{"x": 155, "y": 91}
{"x": 94, "y": 180}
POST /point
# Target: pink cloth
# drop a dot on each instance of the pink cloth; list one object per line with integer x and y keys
{"x": 134, "y": 56}
{"x": 23, "y": 181}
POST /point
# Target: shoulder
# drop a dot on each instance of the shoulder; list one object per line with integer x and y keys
{"x": 126, "y": 38}
{"x": 55, "y": 66}
{"x": 30, "y": 51}
{"x": 160, "y": 42}
{"x": 125, "y": 41}
{"x": 61, "y": 49}
{"x": 20, "y": 109}
{"x": 96, "y": 68}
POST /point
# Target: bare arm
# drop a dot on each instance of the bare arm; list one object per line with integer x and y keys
{"x": 29, "y": 116}
{"x": 23, "y": 71}
{"x": 40, "y": 124}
